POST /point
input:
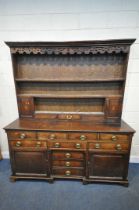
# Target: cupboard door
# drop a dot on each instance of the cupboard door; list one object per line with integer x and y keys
{"x": 26, "y": 106}
{"x": 29, "y": 162}
{"x": 109, "y": 166}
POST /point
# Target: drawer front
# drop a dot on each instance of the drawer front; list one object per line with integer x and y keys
{"x": 51, "y": 135}
{"x": 66, "y": 155}
{"x": 113, "y": 137}
{"x": 69, "y": 116}
{"x": 25, "y": 143}
{"x": 83, "y": 136}
{"x": 67, "y": 145}
{"x": 120, "y": 146}
{"x": 62, "y": 163}
{"x": 21, "y": 135}
{"x": 68, "y": 172}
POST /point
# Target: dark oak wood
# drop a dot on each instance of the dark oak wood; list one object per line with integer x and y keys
{"x": 70, "y": 98}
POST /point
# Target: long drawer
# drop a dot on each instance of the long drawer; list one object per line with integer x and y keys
{"x": 67, "y": 145}
{"x": 113, "y": 136}
{"x": 27, "y": 143}
{"x": 67, "y": 155}
{"x": 120, "y": 146}
{"x": 68, "y": 172}
{"x": 22, "y": 135}
{"x": 67, "y": 163}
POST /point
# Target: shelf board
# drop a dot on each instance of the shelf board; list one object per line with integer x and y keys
{"x": 53, "y": 112}
{"x": 67, "y": 96}
{"x": 67, "y": 80}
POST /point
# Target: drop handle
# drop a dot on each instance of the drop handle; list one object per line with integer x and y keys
{"x": 83, "y": 137}
{"x": 67, "y": 164}
{"x": 69, "y": 117}
{"x": 18, "y": 143}
{"x": 68, "y": 173}
{"x": 78, "y": 145}
{"x": 38, "y": 144}
{"x": 118, "y": 147}
{"x": 57, "y": 144}
{"x": 114, "y": 138}
{"x": 52, "y": 136}
{"x": 22, "y": 136}
{"x": 67, "y": 155}
{"x": 97, "y": 146}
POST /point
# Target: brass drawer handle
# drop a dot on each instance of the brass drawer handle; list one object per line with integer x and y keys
{"x": 69, "y": 117}
{"x": 38, "y": 144}
{"x": 78, "y": 145}
{"x": 18, "y": 144}
{"x": 67, "y": 155}
{"x": 114, "y": 138}
{"x": 97, "y": 146}
{"x": 67, "y": 173}
{"x": 67, "y": 164}
{"x": 83, "y": 137}
{"x": 57, "y": 144}
{"x": 22, "y": 136}
{"x": 118, "y": 147}
{"x": 52, "y": 137}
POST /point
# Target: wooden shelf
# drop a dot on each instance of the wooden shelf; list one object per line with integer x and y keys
{"x": 68, "y": 96}
{"x": 66, "y": 80}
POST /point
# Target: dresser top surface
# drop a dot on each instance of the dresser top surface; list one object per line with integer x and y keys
{"x": 55, "y": 125}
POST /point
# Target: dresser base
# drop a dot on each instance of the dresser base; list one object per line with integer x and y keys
{"x": 84, "y": 180}
{"x": 16, "y": 178}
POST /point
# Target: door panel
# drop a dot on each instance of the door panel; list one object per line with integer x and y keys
{"x": 30, "y": 162}
{"x": 107, "y": 165}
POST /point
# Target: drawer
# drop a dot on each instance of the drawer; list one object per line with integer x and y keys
{"x": 83, "y": 136}
{"x": 69, "y": 116}
{"x": 68, "y": 163}
{"x": 21, "y": 135}
{"x": 51, "y": 136}
{"x": 25, "y": 143}
{"x": 67, "y": 145}
{"x": 66, "y": 155}
{"x": 68, "y": 172}
{"x": 120, "y": 146}
{"x": 113, "y": 136}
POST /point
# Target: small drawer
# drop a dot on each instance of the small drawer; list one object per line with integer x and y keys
{"x": 51, "y": 136}
{"x": 120, "y": 146}
{"x": 21, "y": 135}
{"x": 83, "y": 136}
{"x": 69, "y": 116}
{"x": 113, "y": 136}
{"x": 68, "y": 163}
{"x": 25, "y": 143}
{"x": 67, "y": 145}
{"x": 66, "y": 155}
{"x": 68, "y": 172}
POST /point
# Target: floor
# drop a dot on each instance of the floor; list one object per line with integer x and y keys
{"x": 67, "y": 195}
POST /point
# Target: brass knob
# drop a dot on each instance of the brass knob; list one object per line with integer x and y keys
{"x": 68, "y": 173}
{"x": 18, "y": 143}
{"x": 97, "y": 146}
{"x": 67, "y": 164}
{"x": 118, "y": 147}
{"x": 83, "y": 137}
{"x": 114, "y": 138}
{"x": 22, "y": 135}
{"x": 38, "y": 144}
{"x": 57, "y": 144}
{"x": 69, "y": 117}
{"x": 52, "y": 137}
{"x": 67, "y": 155}
{"x": 78, "y": 146}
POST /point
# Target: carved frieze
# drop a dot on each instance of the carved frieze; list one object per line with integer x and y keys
{"x": 70, "y": 50}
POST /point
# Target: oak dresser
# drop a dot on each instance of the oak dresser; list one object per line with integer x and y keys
{"x": 70, "y": 98}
